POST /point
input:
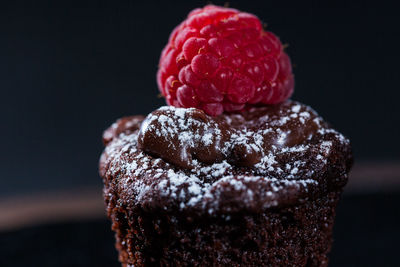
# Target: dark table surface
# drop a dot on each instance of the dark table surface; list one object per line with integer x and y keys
{"x": 366, "y": 234}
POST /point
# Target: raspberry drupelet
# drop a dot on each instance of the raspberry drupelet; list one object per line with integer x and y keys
{"x": 220, "y": 59}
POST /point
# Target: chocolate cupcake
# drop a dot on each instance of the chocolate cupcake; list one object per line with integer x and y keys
{"x": 232, "y": 173}
{"x": 257, "y": 188}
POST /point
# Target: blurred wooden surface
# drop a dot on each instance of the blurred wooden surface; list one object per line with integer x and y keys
{"x": 20, "y": 211}
{"x": 87, "y": 203}
{"x": 374, "y": 177}
{"x": 366, "y": 234}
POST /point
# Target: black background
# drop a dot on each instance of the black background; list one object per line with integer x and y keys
{"x": 69, "y": 69}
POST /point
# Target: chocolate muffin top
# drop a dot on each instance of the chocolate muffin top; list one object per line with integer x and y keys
{"x": 262, "y": 158}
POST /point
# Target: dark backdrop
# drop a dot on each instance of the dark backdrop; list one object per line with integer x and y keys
{"x": 69, "y": 69}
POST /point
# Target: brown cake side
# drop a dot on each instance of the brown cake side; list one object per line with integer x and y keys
{"x": 255, "y": 202}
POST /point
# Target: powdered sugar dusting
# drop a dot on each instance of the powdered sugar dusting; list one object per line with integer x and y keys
{"x": 280, "y": 168}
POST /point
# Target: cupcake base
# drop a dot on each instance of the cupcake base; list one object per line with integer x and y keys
{"x": 298, "y": 235}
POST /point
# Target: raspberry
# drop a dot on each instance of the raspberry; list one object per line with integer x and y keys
{"x": 220, "y": 59}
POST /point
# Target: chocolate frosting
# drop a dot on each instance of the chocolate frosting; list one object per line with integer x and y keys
{"x": 182, "y": 159}
{"x": 184, "y": 136}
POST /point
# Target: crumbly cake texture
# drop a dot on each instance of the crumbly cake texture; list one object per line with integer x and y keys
{"x": 174, "y": 210}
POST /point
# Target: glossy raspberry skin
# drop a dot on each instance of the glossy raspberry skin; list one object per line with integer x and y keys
{"x": 220, "y": 59}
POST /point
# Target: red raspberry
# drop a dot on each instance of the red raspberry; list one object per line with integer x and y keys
{"x": 220, "y": 59}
